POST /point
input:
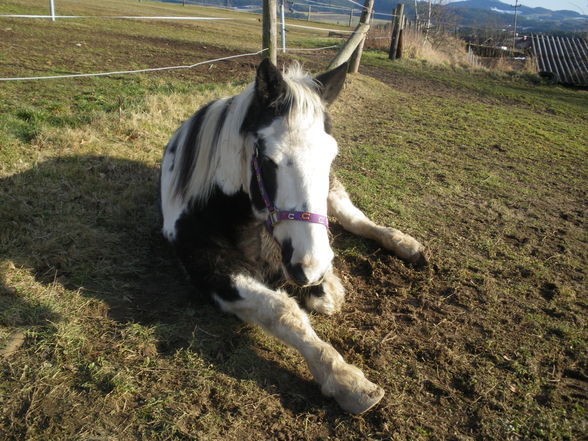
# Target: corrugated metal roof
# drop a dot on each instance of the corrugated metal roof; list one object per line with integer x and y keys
{"x": 565, "y": 58}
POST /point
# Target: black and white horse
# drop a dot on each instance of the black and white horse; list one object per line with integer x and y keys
{"x": 246, "y": 187}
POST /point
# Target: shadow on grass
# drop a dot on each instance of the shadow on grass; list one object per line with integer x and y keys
{"x": 92, "y": 224}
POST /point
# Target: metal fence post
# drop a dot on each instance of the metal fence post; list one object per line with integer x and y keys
{"x": 52, "y": 8}
{"x": 283, "y": 26}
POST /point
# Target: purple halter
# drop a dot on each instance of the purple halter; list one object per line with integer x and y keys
{"x": 276, "y": 215}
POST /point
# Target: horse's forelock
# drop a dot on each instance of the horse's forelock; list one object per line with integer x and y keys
{"x": 305, "y": 103}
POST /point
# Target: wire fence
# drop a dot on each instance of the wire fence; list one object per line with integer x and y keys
{"x": 153, "y": 69}
{"x": 53, "y": 16}
{"x": 124, "y": 17}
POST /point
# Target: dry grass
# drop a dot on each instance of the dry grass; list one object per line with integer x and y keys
{"x": 505, "y": 64}
{"x": 437, "y": 49}
{"x": 441, "y": 49}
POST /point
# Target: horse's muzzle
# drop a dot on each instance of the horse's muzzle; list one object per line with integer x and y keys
{"x": 295, "y": 274}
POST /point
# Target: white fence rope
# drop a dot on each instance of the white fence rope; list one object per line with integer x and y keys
{"x": 357, "y": 4}
{"x": 153, "y": 69}
{"x": 384, "y": 14}
{"x": 166, "y": 18}
{"x": 310, "y": 49}
{"x": 374, "y": 13}
{"x": 126, "y": 17}
{"x": 288, "y": 25}
{"x": 325, "y": 6}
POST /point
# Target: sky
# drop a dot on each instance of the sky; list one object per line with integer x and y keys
{"x": 580, "y": 6}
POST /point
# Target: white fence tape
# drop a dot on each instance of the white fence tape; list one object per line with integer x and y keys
{"x": 357, "y": 4}
{"x": 126, "y": 17}
{"x": 154, "y": 69}
{"x": 310, "y": 49}
{"x": 325, "y": 6}
{"x": 288, "y": 25}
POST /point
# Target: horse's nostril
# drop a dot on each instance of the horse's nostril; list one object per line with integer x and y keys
{"x": 296, "y": 272}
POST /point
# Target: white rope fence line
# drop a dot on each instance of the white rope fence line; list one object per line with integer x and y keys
{"x": 374, "y": 13}
{"x": 153, "y": 69}
{"x": 324, "y": 5}
{"x": 384, "y": 14}
{"x": 357, "y": 4}
{"x": 126, "y": 17}
{"x": 312, "y": 48}
{"x": 165, "y": 18}
{"x": 314, "y": 27}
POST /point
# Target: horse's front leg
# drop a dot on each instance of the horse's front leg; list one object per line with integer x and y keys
{"x": 280, "y": 315}
{"x": 352, "y": 219}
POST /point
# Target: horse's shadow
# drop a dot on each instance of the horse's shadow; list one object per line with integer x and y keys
{"x": 92, "y": 224}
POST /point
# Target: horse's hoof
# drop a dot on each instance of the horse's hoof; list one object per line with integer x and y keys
{"x": 352, "y": 391}
{"x": 420, "y": 259}
{"x": 404, "y": 246}
{"x": 360, "y": 401}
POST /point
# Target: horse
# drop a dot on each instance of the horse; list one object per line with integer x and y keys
{"x": 246, "y": 195}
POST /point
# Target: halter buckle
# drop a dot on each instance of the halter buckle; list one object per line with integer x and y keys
{"x": 272, "y": 217}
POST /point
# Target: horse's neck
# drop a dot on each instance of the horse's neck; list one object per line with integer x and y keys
{"x": 232, "y": 172}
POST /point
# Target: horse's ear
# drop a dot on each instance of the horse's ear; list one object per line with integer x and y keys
{"x": 269, "y": 84}
{"x": 331, "y": 82}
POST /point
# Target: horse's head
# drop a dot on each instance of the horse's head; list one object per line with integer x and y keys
{"x": 292, "y": 151}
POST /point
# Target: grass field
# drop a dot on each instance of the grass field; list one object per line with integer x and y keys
{"x": 102, "y": 339}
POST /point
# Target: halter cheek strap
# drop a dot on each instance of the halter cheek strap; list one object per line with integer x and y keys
{"x": 275, "y": 215}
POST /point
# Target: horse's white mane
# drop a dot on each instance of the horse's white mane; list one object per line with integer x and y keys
{"x": 303, "y": 95}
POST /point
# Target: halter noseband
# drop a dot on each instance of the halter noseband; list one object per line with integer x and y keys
{"x": 275, "y": 215}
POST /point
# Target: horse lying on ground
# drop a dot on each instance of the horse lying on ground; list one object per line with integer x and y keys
{"x": 246, "y": 187}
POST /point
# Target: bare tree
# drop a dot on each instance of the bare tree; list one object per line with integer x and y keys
{"x": 428, "y": 22}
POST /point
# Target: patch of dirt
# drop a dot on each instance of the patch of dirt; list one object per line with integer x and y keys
{"x": 100, "y": 51}
{"x": 418, "y": 85}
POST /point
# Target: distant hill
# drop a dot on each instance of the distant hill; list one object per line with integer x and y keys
{"x": 496, "y": 14}
{"x": 530, "y": 19}
{"x": 469, "y": 13}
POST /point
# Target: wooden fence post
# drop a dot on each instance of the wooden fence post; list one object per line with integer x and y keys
{"x": 393, "y": 24}
{"x": 403, "y": 22}
{"x": 270, "y": 36}
{"x": 350, "y": 46}
{"x": 397, "y": 25}
{"x": 366, "y": 17}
